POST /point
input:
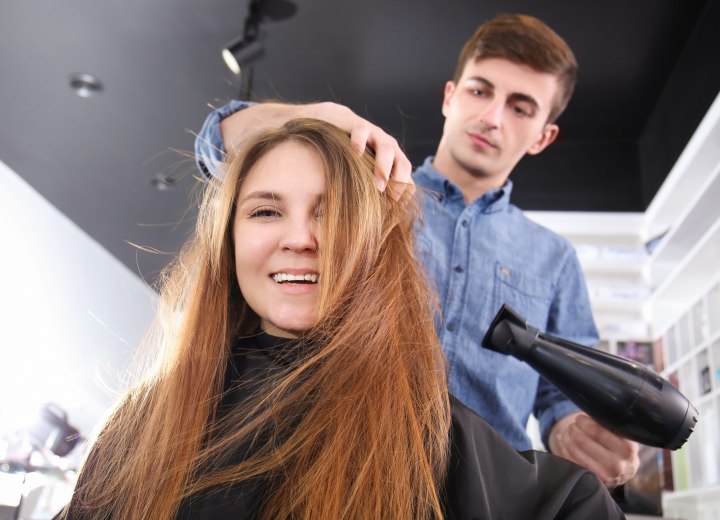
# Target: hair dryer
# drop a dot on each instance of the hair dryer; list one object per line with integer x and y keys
{"x": 623, "y": 396}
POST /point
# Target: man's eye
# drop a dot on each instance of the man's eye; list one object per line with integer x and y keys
{"x": 522, "y": 111}
{"x": 267, "y": 212}
{"x": 477, "y": 92}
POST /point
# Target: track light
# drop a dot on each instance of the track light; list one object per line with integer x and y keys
{"x": 241, "y": 52}
{"x": 244, "y": 50}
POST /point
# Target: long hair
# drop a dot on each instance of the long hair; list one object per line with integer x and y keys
{"x": 354, "y": 425}
{"x": 525, "y": 40}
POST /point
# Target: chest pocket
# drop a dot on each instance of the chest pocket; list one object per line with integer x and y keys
{"x": 528, "y": 294}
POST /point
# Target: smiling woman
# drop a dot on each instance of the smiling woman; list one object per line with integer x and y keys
{"x": 304, "y": 378}
{"x": 277, "y": 225}
{"x": 342, "y": 422}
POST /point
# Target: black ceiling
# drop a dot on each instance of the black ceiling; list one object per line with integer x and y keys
{"x": 648, "y": 73}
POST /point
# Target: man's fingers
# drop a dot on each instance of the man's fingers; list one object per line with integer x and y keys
{"x": 390, "y": 160}
{"x": 402, "y": 168}
{"x": 401, "y": 181}
{"x": 612, "y": 442}
{"x": 359, "y": 136}
{"x": 614, "y": 459}
{"x": 385, "y": 156}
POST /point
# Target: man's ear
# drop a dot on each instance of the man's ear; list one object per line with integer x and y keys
{"x": 447, "y": 95}
{"x": 546, "y": 138}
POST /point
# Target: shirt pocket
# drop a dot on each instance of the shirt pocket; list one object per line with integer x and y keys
{"x": 528, "y": 294}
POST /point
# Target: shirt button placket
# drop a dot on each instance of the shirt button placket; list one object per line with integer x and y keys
{"x": 457, "y": 283}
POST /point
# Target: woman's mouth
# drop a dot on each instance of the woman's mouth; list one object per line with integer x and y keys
{"x": 309, "y": 278}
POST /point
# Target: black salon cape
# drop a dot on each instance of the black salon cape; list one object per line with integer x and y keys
{"x": 487, "y": 478}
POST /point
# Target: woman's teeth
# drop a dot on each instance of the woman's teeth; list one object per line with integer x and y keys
{"x": 295, "y": 278}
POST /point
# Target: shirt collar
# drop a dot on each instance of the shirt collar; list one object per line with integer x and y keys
{"x": 430, "y": 178}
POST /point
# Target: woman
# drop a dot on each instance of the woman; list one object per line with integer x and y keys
{"x": 298, "y": 374}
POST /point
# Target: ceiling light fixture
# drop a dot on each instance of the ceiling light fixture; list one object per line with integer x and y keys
{"x": 246, "y": 49}
{"x": 163, "y": 181}
{"x": 241, "y": 53}
{"x": 85, "y": 85}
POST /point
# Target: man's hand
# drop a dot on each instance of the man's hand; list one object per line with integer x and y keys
{"x": 390, "y": 160}
{"x": 580, "y": 439}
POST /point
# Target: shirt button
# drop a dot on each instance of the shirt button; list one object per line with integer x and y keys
{"x": 451, "y": 326}
{"x": 464, "y": 223}
{"x": 458, "y": 269}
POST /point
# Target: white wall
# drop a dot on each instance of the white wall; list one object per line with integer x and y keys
{"x": 70, "y": 313}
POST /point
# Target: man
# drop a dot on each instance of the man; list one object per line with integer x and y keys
{"x": 514, "y": 78}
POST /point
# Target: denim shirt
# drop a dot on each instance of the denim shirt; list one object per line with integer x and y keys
{"x": 478, "y": 257}
{"x": 209, "y": 147}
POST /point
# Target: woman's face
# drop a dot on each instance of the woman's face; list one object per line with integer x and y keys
{"x": 276, "y": 231}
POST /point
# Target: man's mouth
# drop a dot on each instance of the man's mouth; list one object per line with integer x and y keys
{"x": 295, "y": 278}
{"x": 482, "y": 140}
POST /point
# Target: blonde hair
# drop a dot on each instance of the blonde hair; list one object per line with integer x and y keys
{"x": 356, "y": 422}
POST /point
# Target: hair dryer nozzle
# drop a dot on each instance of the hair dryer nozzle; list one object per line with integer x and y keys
{"x": 510, "y": 334}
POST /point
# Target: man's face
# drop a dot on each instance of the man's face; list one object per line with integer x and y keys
{"x": 496, "y": 113}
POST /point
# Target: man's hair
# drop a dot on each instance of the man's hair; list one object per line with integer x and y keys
{"x": 524, "y": 40}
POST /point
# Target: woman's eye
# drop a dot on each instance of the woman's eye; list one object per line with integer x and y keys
{"x": 267, "y": 212}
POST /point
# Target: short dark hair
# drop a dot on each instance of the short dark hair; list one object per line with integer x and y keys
{"x": 527, "y": 41}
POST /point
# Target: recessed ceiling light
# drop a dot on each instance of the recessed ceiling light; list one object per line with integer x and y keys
{"x": 162, "y": 181}
{"x": 85, "y": 85}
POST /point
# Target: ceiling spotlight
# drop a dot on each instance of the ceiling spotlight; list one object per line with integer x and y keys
{"x": 162, "y": 181}
{"x": 85, "y": 85}
{"x": 241, "y": 52}
{"x": 244, "y": 50}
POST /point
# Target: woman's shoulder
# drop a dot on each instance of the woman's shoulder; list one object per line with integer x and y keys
{"x": 488, "y": 478}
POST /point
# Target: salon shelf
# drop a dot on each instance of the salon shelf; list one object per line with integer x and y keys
{"x": 687, "y": 281}
{"x": 689, "y": 229}
{"x": 696, "y": 503}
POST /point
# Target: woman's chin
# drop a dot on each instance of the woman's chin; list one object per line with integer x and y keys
{"x": 285, "y": 329}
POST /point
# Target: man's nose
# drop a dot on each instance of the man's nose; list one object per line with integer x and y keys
{"x": 492, "y": 113}
{"x": 300, "y": 236}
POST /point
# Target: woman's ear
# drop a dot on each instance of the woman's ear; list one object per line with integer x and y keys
{"x": 546, "y": 138}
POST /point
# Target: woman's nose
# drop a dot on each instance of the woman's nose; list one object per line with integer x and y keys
{"x": 301, "y": 236}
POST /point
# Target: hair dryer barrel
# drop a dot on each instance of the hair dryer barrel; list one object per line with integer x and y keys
{"x": 623, "y": 396}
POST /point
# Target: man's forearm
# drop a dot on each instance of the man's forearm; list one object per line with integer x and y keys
{"x": 228, "y": 128}
{"x": 237, "y": 128}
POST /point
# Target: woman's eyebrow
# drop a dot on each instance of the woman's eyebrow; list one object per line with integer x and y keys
{"x": 260, "y": 195}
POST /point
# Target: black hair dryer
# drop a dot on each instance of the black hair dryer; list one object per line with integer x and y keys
{"x": 625, "y": 397}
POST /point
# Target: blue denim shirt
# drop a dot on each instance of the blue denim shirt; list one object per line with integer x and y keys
{"x": 478, "y": 257}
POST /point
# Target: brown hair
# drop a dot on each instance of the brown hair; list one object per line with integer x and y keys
{"x": 527, "y": 41}
{"x": 355, "y": 426}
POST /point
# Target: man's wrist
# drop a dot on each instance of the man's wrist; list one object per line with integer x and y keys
{"x": 209, "y": 148}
